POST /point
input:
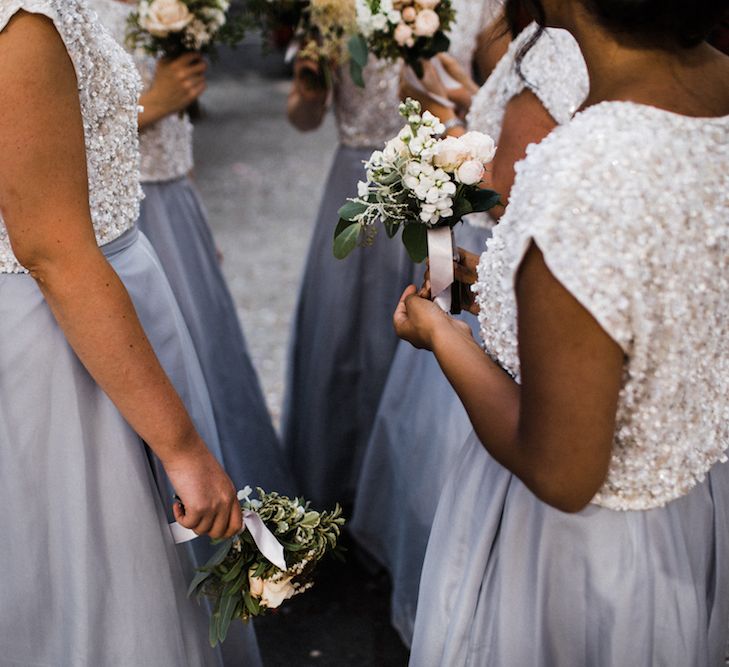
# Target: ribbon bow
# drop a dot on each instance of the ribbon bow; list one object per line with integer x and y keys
{"x": 265, "y": 540}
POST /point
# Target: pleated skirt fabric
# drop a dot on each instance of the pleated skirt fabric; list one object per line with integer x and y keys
{"x": 342, "y": 346}
{"x": 174, "y": 220}
{"x": 418, "y": 432}
{"x": 90, "y": 575}
{"x": 509, "y": 580}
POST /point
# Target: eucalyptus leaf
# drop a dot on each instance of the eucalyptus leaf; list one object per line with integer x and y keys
{"x": 220, "y": 554}
{"x": 234, "y": 571}
{"x": 351, "y": 210}
{"x": 391, "y": 228}
{"x": 196, "y": 582}
{"x": 356, "y": 74}
{"x": 415, "y": 238}
{"x": 227, "y": 608}
{"x": 346, "y": 241}
{"x": 251, "y": 604}
{"x": 213, "y": 630}
{"x": 358, "y": 50}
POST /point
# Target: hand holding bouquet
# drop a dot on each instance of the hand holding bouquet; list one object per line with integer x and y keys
{"x": 172, "y": 27}
{"x": 424, "y": 184}
{"x": 413, "y": 30}
{"x": 242, "y": 582}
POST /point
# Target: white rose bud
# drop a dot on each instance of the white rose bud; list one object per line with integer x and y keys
{"x": 426, "y": 23}
{"x": 470, "y": 172}
{"x": 163, "y": 17}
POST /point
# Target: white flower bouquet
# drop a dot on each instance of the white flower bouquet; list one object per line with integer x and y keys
{"x": 413, "y": 30}
{"x": 425, "y": 184}
{"x": 173, "y": 27}
{"x": 241, "y": 582}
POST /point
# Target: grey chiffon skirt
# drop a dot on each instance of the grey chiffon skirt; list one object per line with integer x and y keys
{"x": 418, "y": 432}
{"x": 174, "y": 220}
{"x": 509, "y": 580}
{"x": 90, "y": 576}
{"x": 342, "y": 346}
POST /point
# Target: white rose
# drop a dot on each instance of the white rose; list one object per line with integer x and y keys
{"x": 450, "y": 153}
{"x": 394, "y": 17}
{"x": 470, "y": 172}
{"x": 162, "y": 17}
{"x": 275, "y": 592}
{"x": 379, "y": 22}
{"x": 428, "y": 4}
{"x": 403, "y": 34}
{"x": 480, "y": 146}
{"x": 255, "y": 584}
{"x": 426, "y": 23}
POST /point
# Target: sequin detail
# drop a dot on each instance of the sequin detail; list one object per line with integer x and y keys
{"x": 553, "y": 69}
{"x": 108, "y": 91}
{"x": 368, "y": 117}
{"x": 641, "y": 239}
{"x": 166, "y": 146}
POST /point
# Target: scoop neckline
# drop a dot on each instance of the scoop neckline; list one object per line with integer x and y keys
{"x": 659, "y": 110}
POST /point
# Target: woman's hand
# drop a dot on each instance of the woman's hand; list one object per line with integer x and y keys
{"x": 177, "y": 83}
{"x": 463, "y": 96}
{"x": 465, "y": 269}
{"x": 423, "y": 323}
{"x": 208, "y": 501}
{"x": 431, "y": 86}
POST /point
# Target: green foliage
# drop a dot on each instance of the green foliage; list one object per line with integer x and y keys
{"x": 415, "y": 238}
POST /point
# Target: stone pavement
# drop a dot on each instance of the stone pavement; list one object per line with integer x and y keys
{"x": 261, "y": 181}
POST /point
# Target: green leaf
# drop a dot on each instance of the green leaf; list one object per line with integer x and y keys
{"x": 356, "y": 74}
{"x": 351, "y": 210}
{"x": 483, "y": 200}
{"x": 227, "y": 608}
{"x": 391, "y": 228}
{"x": 251, "y": 604}
{"x": 213, "y": 630}
{"x": 220, "y": 554}
{"x": 440, "y": 43}
{"x": 358, "y": 51}
{"x": 197, "y": 580}
{"x": 415, "y": 238}
{"x": 346, "y": 241}
{"x": 234, "y": 571}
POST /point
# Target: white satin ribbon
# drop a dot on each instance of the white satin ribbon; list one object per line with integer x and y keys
{"x": 292, "y": 51}
{"x": 442, "y": 275}
{"x": 265, "y": 540}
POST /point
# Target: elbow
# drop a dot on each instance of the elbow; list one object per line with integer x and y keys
{"x": 562, "y": 492}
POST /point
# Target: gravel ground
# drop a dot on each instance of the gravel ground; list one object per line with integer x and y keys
{"x": 261, "y": 181}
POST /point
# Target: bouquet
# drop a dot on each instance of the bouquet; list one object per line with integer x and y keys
{"x": 424, "y": 184}
{"x": 319, "y": 29}
{"x": 173, "y": 27}
{"x": 413, "y": 30}
{"x": 272, "y": 560}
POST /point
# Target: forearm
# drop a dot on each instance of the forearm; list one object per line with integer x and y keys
{"x": 98, "y": 319}
{"x": 153, "y": 111}
{"x": 304, "y": 114}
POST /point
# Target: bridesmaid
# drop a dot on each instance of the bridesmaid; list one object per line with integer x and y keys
{"x": 421, "y": 424}
{"x": 173, "y": 219}
{"x": 342, "y": 339}
{"x": 92, "y": 576}
{"x": 587, "y": 519}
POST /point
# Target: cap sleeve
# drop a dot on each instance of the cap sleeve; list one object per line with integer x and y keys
{"x": 564, "y": 201}
{"x": 555, "y": 71}
{"x": 12, "y": 7}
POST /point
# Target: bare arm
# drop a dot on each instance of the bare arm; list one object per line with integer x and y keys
{"x": 555, "y": 430}
{"x": 307, "y": 103}
{"x": 44, "y": 202}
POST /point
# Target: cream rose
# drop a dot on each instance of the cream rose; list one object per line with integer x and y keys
{"x": 470, "y": 172}
{"x": 450, "y": 153}
{"x": 426, "y": 23}
{"x": 480, "y": 146}
{"x": 403, "y": 34}
{"x": 162, "y": 17}
{"x": 271, "y": 593}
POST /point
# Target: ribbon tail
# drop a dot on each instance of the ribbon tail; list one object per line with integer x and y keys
{"x": 265, "y": 540}
{"x": 440, "y": 254}
{"x": 181, "y": 534}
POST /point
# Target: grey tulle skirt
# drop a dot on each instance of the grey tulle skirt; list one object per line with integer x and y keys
{"x": 418, "y": 432}
{"x": 509, "y": 580}
{"x": 174, "y": 220}
{"x": 90, "y": 576}
{"x": 342, "y": 346}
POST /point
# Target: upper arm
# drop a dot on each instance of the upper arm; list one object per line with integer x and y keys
{"x": 571, "y": 376}
{"x": 43, "y": 178}
{"x": 525, "y": 122}
{"x": 491, "y": 45}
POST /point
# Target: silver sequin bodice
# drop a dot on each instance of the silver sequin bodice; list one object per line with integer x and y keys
{"x": 166, "y": 146}
{"x": 109, "y": 88}
{"x": 629, "y": 206}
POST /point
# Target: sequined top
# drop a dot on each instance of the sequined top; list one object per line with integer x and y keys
{"x": 368, "y": 117}
{"x": 109, "y": 89}
{"x": 165, "y": 146}
{"x": 641, "y": 240}
{"x": 553, "y": 69}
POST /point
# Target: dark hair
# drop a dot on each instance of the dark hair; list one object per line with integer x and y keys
{"x": 660, "y": 22}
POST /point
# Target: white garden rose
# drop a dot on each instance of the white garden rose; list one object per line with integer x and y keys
{"x": 272, "y": 592}
{"x": 404, "y": 35}
{"x": 163, "y": 17}
{"x": 470, "y": 172}
{"x": 480, "y": 146}
{"x": 426, "y": 23}
{"x": 450, "y": 153}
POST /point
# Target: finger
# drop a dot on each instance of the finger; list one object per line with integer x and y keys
{"x": 424, "y": 292}
{"x": 196, "y": 69}
{"x": 178, "y": 511}
{"x": 205, "y": 525}
{"x": 220, "y": 524}
{"x": 235, "y": 520}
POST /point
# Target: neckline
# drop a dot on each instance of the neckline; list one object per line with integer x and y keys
{"x": 657, "y": 110}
